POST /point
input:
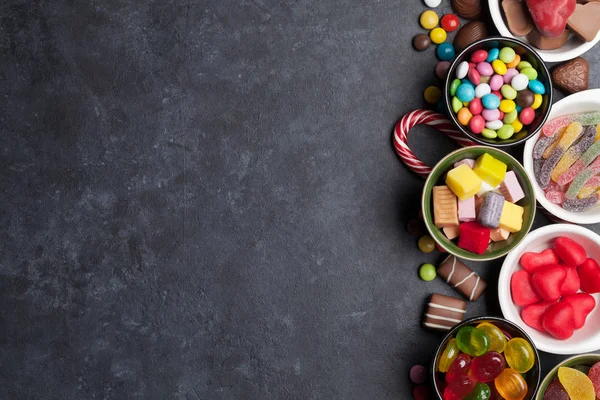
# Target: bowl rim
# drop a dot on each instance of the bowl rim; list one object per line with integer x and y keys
{"x": 477, "y": 257}
{"x": 447, "y": 100}
{"x": 557, "y": 211}
{"x": 504, "y": 296}
{"x": 470, "y": 321}
{"x": 550, "y": 375}
{"x": 546, "y": 55}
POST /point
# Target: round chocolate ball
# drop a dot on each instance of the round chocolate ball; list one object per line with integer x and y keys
{"x": 421, "y": 42}
{"x": 525, "y": 98}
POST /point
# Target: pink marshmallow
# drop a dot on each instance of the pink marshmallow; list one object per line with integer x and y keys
{"x": 510, "y": 188}
{"x": 466, "y": 210}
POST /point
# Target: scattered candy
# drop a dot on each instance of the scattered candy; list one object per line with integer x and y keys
{"x": 426, "y": 244}
{"x": 449, "y": 22}
{"x": 442, "y": 313}
{"x": 429, "y": 19}
{"x": 418, "y": 374}
{"x": 427, "y": 272}
{"x": 441, "y": 69}
{"x": 421, "y": 42}
{"x": 433, "y": 3}
{"x": 462, "y": 278}
{"x": 437, "y": 35}
{"x": 445, "y": 51}
{"x": 414, "y": 227}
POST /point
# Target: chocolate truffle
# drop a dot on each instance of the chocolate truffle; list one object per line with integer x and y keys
{"x": 468, "y": 9}
{"x": 572, "y": 76}
{"x": 471, "y": 32}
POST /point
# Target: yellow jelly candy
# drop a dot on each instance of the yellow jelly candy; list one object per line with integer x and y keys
{"x": 512, "y": 217}
{"x": 463, "y": 182}
{"x": 429, "y": 19}
{"x": 448, "y": 356}
{"x": 576, "y": 383}
{"x": 511, "y": 385}
{"x": 497, "y": 338}
{"x": 519, "y": 355}
{"x": 432, "y": 94}
{"x": 499, "y": 67}
{"x": 537, "y": 101}
{"x": 491, "y": 170}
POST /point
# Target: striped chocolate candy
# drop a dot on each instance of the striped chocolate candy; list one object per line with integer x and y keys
{"x": 443, "y": 312}
{"x": 462, "y": 278}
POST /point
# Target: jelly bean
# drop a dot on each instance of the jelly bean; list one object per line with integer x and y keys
{"x": 479, "y": 56}
{"x": 427, "y": 272}
{"x": 514, "y": 62}
{"x": 506, "y": 132}
{"x": 462, "y": 70}
{"x": 453, "y": 86}
{"x": 460, "y": 366}
{"x": 432, "y": 94}
{"x": 527, "y": 116}
{"x": 426, "y": 244}
{"x": 517, "y": 125}
{"x": 477, "y": 124}
{"x": 531, "y": 73}
{"x": 524, "y": 64}
{"x": 525, "y": 98}
{"x": 519, "y": 355}
{"x": 510, "y": 74}
{"x": 510, "y": 117}
{"x": 464, "y": 116}
{"x": 465, "y": 92}
{"x": 491, "y": 115}
{"x": 497, "y": 338}
{"x": 456, "y": 104}
{"x": 485, "y": 69}
{"x": 537, "y": 87}
{"x": 418, "y": 374}
{"x": 450, "y": 22}
{"x": 437, "y": 35}
{"x": 507, "y": 55}
{"x": 519, "y": 82}
{"x": 450, "y": 353}
{"x": 475, "y": 106}
{"x": 508, "y": 92}
{"x": 472, "y": 341}
{"x": 489, "y": 134}
{"x": 445, "y": 51}
{"x": 428, "y": 19}
{"x": 482, "y": 89}
{"x": 441, "y": 69}
{"x": 493, "y": 54}
{"x": 511, "y": 385}
{"x": 499, "y": 67}
{"x": 459, "y": 388}
{"x": 474, "y": 76}
{"x": 490, "y": 101}
{"x": 496, "y": 82}
{"x": 507, "y": 106}
{"x": 494, "y": 125}
{"x": 488, "y": 367}
{"x": 537, "y": 101}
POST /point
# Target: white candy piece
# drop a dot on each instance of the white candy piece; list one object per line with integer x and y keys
{"x": 485, "y": 187}
{"x": 494, "y": 125}
{"x": 433, "y": 3}
{"x": 519, "y": 82}
{"x": 462, "y": 70}
{"x": 482, "y": 89}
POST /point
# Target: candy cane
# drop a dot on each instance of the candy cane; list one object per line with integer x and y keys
{"x": 425, "y": 117}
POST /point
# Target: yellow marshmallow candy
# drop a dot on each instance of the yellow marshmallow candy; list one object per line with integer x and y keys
{"x": 511, "y": 219}
{"x": 463, "y": 182}
{"x": 491, "y": 170}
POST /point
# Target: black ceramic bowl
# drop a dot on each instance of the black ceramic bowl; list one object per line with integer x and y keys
{"x": 532, "y": 377}
{"x": 527, "y": 53}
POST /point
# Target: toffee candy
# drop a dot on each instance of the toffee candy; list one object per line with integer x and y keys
{"x": 451, "y": 232}
{"x": 445, "y": 208}
{"x": 466, "y": 210}
{"x": 491, "y": 210}
{"x": 462, "y": 278}
{"x": 443, "y": 312}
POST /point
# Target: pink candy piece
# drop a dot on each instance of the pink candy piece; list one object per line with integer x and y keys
{"x": 469, "y": 161}
{"x": 556, "y": 197}
{"x": 485, "y": 69}
{"x": 466, "y": 210}
{"x": 552, "y": 126}
{"x": 510, "y": 73}
{"x": 491, "y": 115}
{"x": 474, "y": 76}
{"x": 510, "y": 188}
{"x": 476, "y": 124}
{"x": 475, "y": 106}
{"x": 496, "y": 82}
{"x": 527, "y": 116}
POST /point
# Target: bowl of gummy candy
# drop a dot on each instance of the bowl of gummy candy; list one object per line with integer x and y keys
{"x": 498, "y": 92}
{"x": 563, "y": 159}
{"x": 577, "y": 377}
{"x": 478, "y": 203}
{"x": 486, "y": 358}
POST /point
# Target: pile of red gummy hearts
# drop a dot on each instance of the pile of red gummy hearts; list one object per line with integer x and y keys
{"x": 555, "y": 288}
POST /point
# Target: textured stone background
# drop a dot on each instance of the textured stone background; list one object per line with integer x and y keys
{"x": 199, "y": 200}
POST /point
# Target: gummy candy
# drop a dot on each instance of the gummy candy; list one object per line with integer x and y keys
{"x": 555, "y": 197}
{"x": 459, "y": 388}
{"x": 575, "y": 152}
{"x": 590, "y": 187}
{"x": 542, "y": 144}
{"x": 590, "y": 118}
{"x": 480, "y": 392}
{"x": 448, "y": 356}
{"x": 488, "y": 367}
{"x": 472, "y": 341}
{"x": 553, "y": 145}
{"x": 555, "y": 391}
{"x": 497, "y": 338}
{"x": 571, "y": 134}
{"x": 459, "y": 367}
{"x": 511, "y": 385}
{"x": 587, "y": 157}
{"x": 594, "y": 375}
{"x": 519, "y": 355}
{"x": 576, "y": 383}
{"x": 581, "y": 179}
{"x": 578, "y": 205}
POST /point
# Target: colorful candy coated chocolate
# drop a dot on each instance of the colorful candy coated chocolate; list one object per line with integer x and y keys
{"x": 519, "y": 355}
{"x": 488, "y": 367}
{"x": 459, "y": 388}
{"x": 459, "y": 367}
{"x": 429, "y": 19}
{"x": 511, "y": 385}
{"x": 576, "y": 383}
{"x": 497, "y": 338}
{"x": 450, "y": 353}
{"x": 472, "y": 341}
{"x": 481, "y": 391}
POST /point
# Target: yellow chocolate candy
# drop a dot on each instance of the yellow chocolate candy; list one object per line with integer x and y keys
{"x": 499, "y": 67}
{"x": 429, "y": 19}
{"x": 490, "y": 169}
{"x": 517, "y": 125}
{"x": 537, "y": 101}
{"x": 463, "y": 182}
{"x": 512, "y": 217}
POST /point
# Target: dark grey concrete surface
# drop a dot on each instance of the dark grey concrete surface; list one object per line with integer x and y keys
{"x": 200, "y": 200}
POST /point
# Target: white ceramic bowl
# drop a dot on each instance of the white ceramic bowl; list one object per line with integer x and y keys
{"x": 573, "y": 48}
{"x": 585, "y": 101}
{"x": 583, "y": 340}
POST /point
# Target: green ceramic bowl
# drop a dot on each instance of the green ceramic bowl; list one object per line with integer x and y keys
{"x": 585, "y": 360}
{"x": 437, "y": 177}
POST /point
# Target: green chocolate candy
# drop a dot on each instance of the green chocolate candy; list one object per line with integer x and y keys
{"x": 530, "y": 73}
{"x": 510, "y": 117}
{"x": 524, "y": 64}
{"x": 456, "y": 104}
{"x": 453, "y": 86}
{"x": 506, "y": 132}
{"x": 508, "y": 92}
{"x": 489, "y": 133}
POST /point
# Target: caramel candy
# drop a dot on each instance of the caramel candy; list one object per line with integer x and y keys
{"x": 461, "y": 278}
{"x": 468, "y": 9}
{"x": 572, "y": 76}
{"x": 518, "y": 17}
{"x": 445, "y": 207}
{"x": 470, "y": 33}
{"x": 443, "y": 312}
{"x": 585, "y": 21}
{"x": 546, "y": 43}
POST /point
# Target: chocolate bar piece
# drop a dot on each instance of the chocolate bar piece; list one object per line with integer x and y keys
{"x": 547, "y": 43}
{"x": 585, "y": 21}
{"x": 445, "y": 208}
{"x": 517, "y": 16}
{"x": 443, "y": 312}
{"x": 461, "y": 278}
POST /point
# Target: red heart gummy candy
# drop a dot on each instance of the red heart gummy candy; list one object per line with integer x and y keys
{"x": 547, "y": 282}
{"x": 531, "y": 262}
{"x": 522, "y": 290}
{"x": 550, "y": 16}
{"x": 589, "y": 275}
{"x": 569, "y": 251}
{"x": 594, "y": 375}
{"x": 558, "y": 320}
{"x": 571, "y": 284}
{"x": 533, "y": 313}
{"x": 583, "y": 304}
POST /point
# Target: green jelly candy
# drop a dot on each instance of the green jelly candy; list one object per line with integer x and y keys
{"x": 480, "y": 392}
{"x": 456, "y": 104}
{"x": 524, "y": 64}
{"x": 451, "y": 351}
{"x": 427, "y": 272}
{"x": 510, "y": 117}
{"x": 591, "y": 118}
{"x": 453, "y": 86}
{"x": 530, "y": 73}
{"x": 507, "y": 55}
{"x": 506, "y": 131}
{"x": 489, "y": 133}
{"x": 508, "y": 92}
{"x": 472, "y": 341}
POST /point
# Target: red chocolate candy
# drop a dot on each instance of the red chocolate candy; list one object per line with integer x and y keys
{"x": 558, "y": 320}
{"x": 589, "y": 275}
{"x": 569, "y": 251}
{"x": 532, "y": 262}
{"x": 533, "y": 313}
{"x": 449, "y": 22}
{"x": 521, "y": 289}
{"x": 583, "y": 304}
{"x": 548, "y": 282}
